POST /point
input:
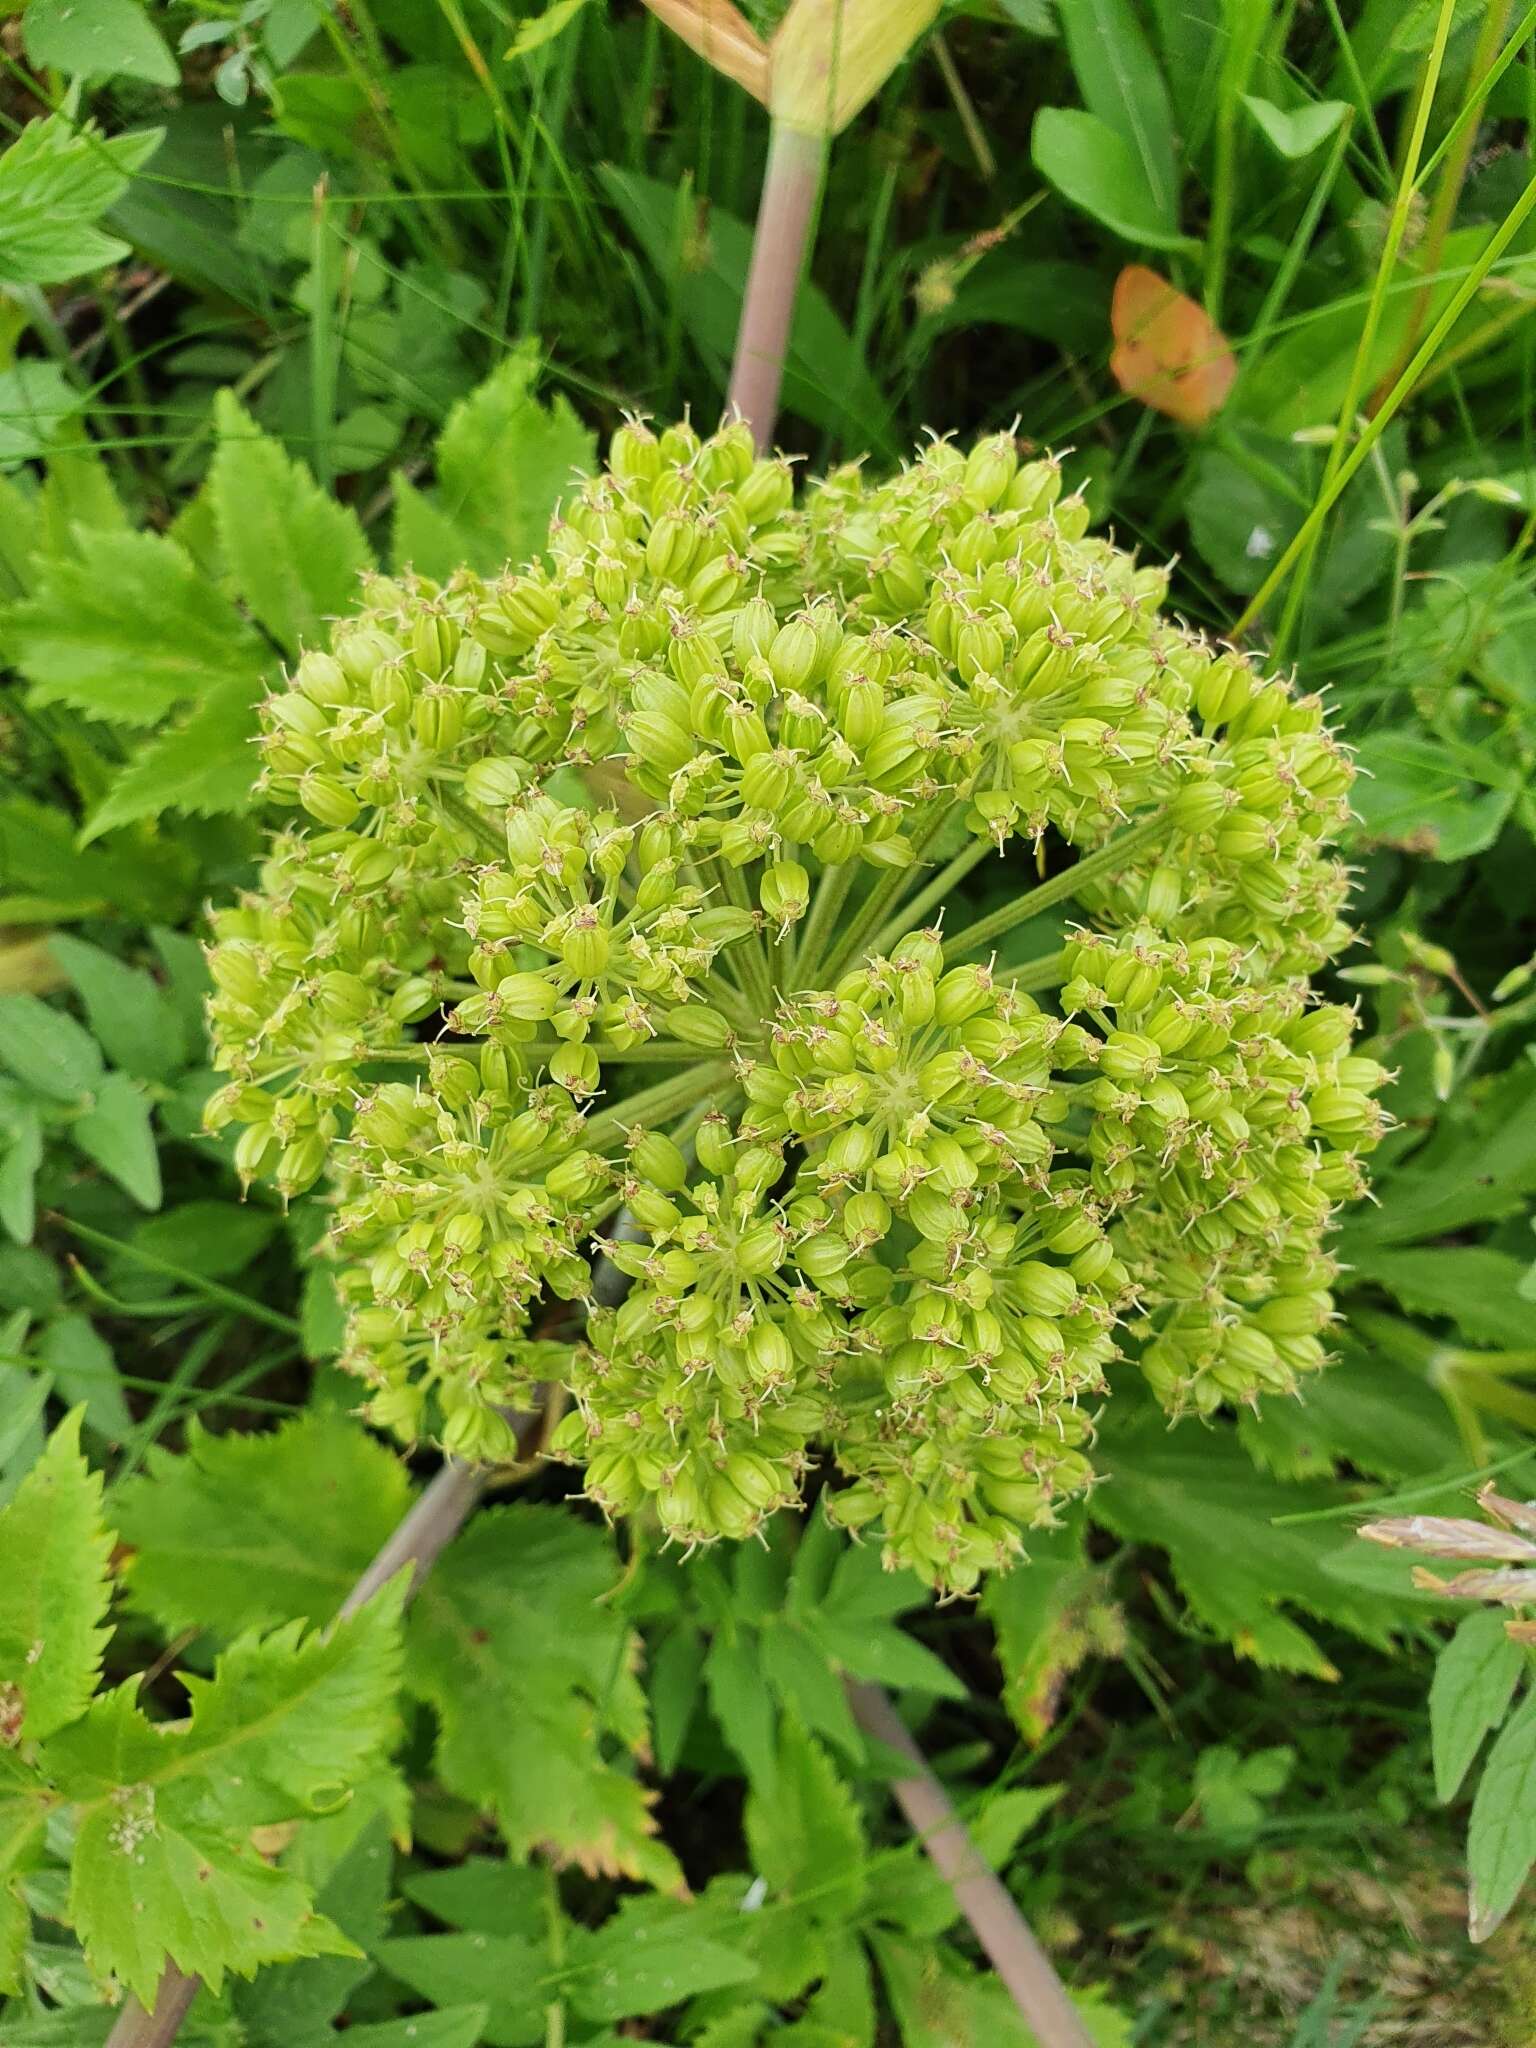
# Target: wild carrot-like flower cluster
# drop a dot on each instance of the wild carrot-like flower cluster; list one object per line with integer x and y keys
{"x": 613, "y": 928}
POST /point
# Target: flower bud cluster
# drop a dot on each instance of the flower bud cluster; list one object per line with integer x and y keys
{"x": 1228, "y": 1118}
{"x": 604, "y": 951}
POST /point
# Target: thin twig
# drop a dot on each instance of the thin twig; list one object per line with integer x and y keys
{"x": 1006, "y": 1938}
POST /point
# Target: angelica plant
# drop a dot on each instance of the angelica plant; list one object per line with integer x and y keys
{"x": 619, "y": 886}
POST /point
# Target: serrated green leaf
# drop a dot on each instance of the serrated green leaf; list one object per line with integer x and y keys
{"x": 163, "y": 1865}
{"x": 1501, "y": 1839}
{"x": 204, "y": 767}
{"x": 504, "y": 459}
{"x": 804, "y": 1831}
{"x": 54, "y": 1590}
{"x": 25, "y": 1806}
{"x": 424, "y": 537}
{"x": 1196, "y": 1495}
{"x": 131, "y": 633}
{"x": 798, "y": 1669}
{"x": 46, "y": 1049}
{"x": 97, "y": 39}
{"x": 146, "y": 1890}
{"x": 740, "y": 1701}
{"x": 244, "y": 1532}
{"x": 527, "y": 1668}
{"x": 117, "y": 1133}
{"x": 56, "y": 180}
{"x": 1475, "y": 1678}
{"x": 295, "y": 554}
{"x": 129, "y": 1013}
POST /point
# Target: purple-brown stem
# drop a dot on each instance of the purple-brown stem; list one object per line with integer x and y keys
{"x": 1008, "y": 1941}
{"x": 784, "y": 214}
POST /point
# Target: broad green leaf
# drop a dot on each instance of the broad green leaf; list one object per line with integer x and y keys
{"x": 704, "y": 267}
{"x": 504, "y": 459}
{"x": 243, "y": 1532}
{"x": 1476, "y": 1287}
{"x": 204, "y": 766}
{"x": 81, "y": 1364}
{"x": 117, "y": 1133}
{"x": 56, "y": 181}
{"x": 97, "y": 39}
{"x": 1301, "y": 378}
{"x": 300, "y": 2000}
{"x": 131, "y": 1016}
{"x": 1435, "y": 801}
{"x": 1501, "y": 1840}
{"x": 507, "y": 1975}
{"x": 1122, "y": 85}
{"x": 1471, "y": 1170}
{"x": 804, "y": 1831}
{"x": 215, "y": 1239}
{"x": 1195, "y": 1494}
{"x": 54, "y": 1591}
{"x": 652, "y": 1954}
{"x": 485, "y": 1895}
{"x": 295, "y": 554}
{"x": 131, "y": 633}
{"x": 1095, "y": 169}
{"x": 526, "y": 1667}
{"x": 452, "y": 2026}
{"x": 1475, "y": 1678}
{"x": 1297, "y": 131}
{"x": 1366, "y": 1410}
{"x": 1231, "y": 1788}
{"x": 46, "y": 1049}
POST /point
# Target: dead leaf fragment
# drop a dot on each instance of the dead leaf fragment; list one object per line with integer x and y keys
{"x": 1167, "y": 351}
{"x": 722, "y": 36}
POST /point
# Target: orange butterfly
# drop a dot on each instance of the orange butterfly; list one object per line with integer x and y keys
{"x": 1167, "y": 353}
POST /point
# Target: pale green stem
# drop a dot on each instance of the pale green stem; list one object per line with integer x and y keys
{"x": 826, "y": 907}
{"x": 911, "y": 915}
{"x": 1096, "y": 867}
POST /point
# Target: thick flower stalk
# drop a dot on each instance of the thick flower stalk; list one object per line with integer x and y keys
{"x": 621, "y": 887}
